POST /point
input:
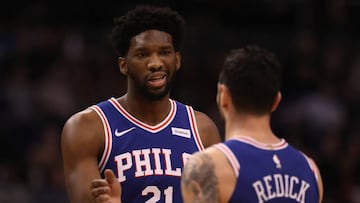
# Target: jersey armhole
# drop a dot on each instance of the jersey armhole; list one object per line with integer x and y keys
{"x": 230, "y": 157}
{"x": 108, "y": 137}
{"x": 194, "y": 128}
{"x": 311, "y": 165}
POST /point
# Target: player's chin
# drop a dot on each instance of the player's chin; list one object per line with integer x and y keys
{"x": 158, "y": 93}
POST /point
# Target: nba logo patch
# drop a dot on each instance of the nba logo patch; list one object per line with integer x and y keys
{"x": 181, "y": 132}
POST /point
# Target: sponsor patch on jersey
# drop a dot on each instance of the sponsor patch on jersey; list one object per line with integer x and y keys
{"x": 181, "y": 132}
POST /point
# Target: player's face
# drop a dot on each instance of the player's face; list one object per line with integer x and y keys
{"x": 150, "y": 64}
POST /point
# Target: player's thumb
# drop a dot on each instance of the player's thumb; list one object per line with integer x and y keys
{"x": 113, "y": 182}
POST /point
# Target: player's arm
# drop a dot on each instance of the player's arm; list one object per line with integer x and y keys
{"x": 209, "y": 133}
{"x": 82, "y": 141}
{"x": 198, "y": 181}
{"x": 208, "y": 177}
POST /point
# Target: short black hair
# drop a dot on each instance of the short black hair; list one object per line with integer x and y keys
{"x": 253, "y": 76}
{"x": 146, "y": 17}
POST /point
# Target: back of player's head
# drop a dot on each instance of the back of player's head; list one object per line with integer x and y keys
{"x": 252, "y": 75}
{"x": 146, "y": 17}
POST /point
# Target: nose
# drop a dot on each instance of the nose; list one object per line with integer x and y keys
{"x": 155, "y": 62}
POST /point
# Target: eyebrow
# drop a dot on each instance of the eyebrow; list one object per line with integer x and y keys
{"x": 161, "y": 48}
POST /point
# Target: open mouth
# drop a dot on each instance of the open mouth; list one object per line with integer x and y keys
{"x": 157, "y": 81}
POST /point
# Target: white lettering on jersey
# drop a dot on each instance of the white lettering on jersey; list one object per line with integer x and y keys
{"x": 140, "y": 160}
{"x": 168, "y": 167}
{"x": 278, "y": 185}
{"x": 158, "y": 169}
{"x": 142, "y": 163}
{"x": 123, "y": 162}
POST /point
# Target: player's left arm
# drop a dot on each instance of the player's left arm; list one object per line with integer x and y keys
{"x": 198, "y": 181}
{"x": 209, "y": 132}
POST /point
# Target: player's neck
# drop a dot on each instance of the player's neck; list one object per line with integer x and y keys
{"x": 150, "y": 112}
{"x": 256, "y": 127}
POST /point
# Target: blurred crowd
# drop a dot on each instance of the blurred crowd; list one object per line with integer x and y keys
{"x": 54, "y": 63}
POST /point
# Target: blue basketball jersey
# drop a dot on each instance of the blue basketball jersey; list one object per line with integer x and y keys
{"x": 275, "y": 174}
{"x": 148, "y": 160}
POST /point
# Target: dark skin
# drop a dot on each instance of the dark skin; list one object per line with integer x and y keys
{"x": 150, "y": 65}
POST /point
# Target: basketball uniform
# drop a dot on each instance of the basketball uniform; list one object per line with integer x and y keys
{"x": 270, "y": 173}
{"x": 148, "y": 160}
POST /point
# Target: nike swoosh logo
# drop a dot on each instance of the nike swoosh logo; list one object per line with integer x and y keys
{"x": 121, "y": 133}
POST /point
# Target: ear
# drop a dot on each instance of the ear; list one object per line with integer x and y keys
{"x": 223, "y": 96}
{"x": 122, "y": 65}
{"x": 178, "y": 60}
{"x": 276, "y": 101}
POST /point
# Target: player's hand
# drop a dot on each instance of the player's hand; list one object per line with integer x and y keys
{"x": 107, "y": 190}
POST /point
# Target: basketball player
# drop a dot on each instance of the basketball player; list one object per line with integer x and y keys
{"x": 144, "y": 137}
{"x": 253, "y": 164}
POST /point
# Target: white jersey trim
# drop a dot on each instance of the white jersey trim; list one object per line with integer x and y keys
{"x": 248, "y": 140}
{"x": 108, "y": 137}
{"x": 230, "y": 156}
{"x": 311, "y": 165}
{"x": 153, "y": 129}
{"x": 194, "y": 128}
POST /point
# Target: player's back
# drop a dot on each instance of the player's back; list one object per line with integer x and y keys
{"x": 270, "y": 173}
{"x": 148, "y": 160}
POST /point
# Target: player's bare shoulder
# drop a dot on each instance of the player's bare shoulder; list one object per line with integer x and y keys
{"x": 208, "y": 177}
{"x": 208, "y": 130}
{"x": 199, "y": 182}
{"x": 83, "y": 130}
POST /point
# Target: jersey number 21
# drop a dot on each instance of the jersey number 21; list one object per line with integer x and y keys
{"x": 168, "y": 192}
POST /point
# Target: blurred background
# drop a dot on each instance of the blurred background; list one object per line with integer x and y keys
{"x": 56, "y": 59}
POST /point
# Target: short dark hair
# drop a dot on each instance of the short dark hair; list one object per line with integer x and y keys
{"x": 146, "y": 17}
{"x": 253, "y": 77}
